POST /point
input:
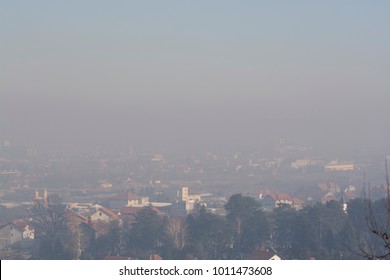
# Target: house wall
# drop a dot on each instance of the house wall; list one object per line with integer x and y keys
{"x": 100, "y": 215}
{"x": 10, "y": 234}
{"x": 268, "y": 202}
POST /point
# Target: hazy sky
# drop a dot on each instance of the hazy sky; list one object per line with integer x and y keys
{"x": 167, "y": 74}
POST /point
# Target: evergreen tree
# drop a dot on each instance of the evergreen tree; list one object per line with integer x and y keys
{"x": 210, "y": 235}
{"x": 147, "y": 233}
{"x": 249, "y": 223}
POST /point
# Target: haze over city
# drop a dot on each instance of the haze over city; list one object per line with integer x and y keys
{"x": 197, "y": 130}
{"x": 195, "y": 76}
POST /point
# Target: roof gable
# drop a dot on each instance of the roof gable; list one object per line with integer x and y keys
{"x": 108, "y": 212}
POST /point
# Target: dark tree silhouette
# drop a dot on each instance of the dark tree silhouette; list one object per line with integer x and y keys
{"x": 147, "y": 233}
{"x": 250, "y": 224}
{"x": 50, "y": 222}
{"x": 210, "y": 235}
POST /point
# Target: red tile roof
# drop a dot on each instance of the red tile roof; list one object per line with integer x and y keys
{"x": 297, "y": 201}
{"x": 75, "y": 218}
{"x": 20, "y": 223}
{"x": 328, "y": 197}
{"x": 12, "y": 223}
{"x": 280, "y": 196}
{"x": 283, "y": 196}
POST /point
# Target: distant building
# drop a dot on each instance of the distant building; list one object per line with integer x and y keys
{"x": 328, "y": 197}
{"x": 105, "y": 185}
{"x": 184, "y": 194}
{"x": 103, "y": 214}
{"x": 157, "y": 158}
{"x": 117, "y": 201}
{"x": 270, "y": 200}
{"x": 14, "y": 232}
{"x": 335, "y": 166}
{"x": 12, "y": 152}
{"x": 300, "y": 163}
{"x": 31, "y": 152}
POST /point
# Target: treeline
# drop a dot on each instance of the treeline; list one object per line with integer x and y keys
{"x": 322, "y": 231}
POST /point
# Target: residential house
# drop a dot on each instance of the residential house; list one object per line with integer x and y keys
{"x": 14, "y": 232}
{"x": 103, "y": 214}
{"x": 270, "y": 200}
{"x": 328, "y": 197}
{"x": 74, "y": 220}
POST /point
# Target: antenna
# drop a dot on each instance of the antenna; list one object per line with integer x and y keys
{"x": 281, "y": 147}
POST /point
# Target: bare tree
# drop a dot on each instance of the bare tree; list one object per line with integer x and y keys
{"x": 50, "y": 222}
{"x": 49, "y": 215}
{"x": 379, "y": 225}
{"x": 176, "y": 229}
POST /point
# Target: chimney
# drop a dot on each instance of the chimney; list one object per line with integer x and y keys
{"x": 36, "y": 195}
{"x": 45, "y": 196}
